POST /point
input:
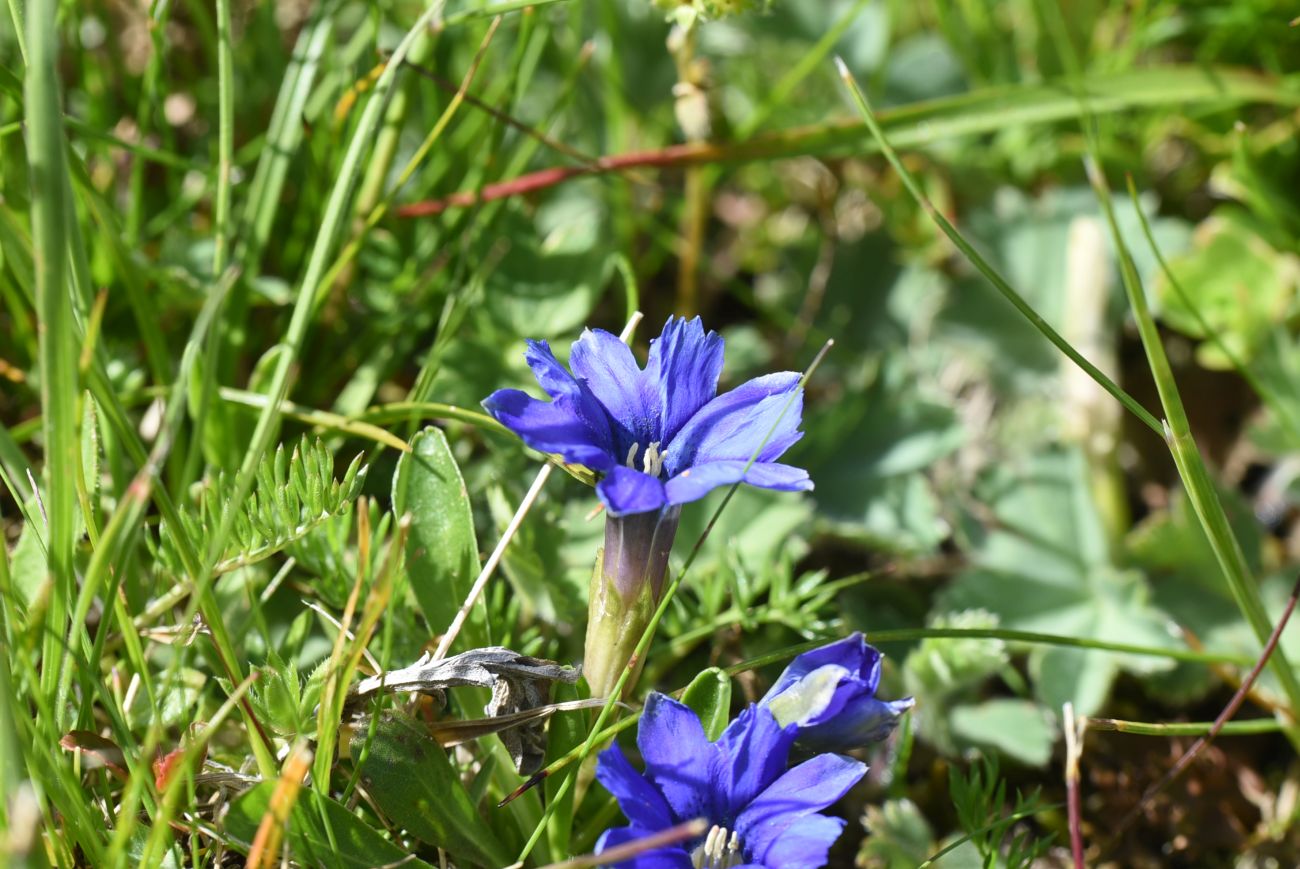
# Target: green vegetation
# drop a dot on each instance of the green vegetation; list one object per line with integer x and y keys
{"x": 261, "y": 262}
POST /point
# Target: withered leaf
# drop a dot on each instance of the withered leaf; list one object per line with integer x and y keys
{"x": 97, "y": 752}
{"x": 519, "y": 683}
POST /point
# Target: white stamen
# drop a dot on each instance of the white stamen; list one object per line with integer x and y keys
{"x": 718, "y": 851}
{"x": 631, "y": 456}
{"x": 653, "y": 462}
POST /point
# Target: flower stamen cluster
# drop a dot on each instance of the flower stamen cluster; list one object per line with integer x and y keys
{"x": 652, "y": 463}
{"x": 717, "y": 851}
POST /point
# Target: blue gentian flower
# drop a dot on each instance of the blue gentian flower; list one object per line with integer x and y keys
{"x": 658, "y": 436}
{"x": 651, "y": 439}
{"x": 829, "y": 695}
{"x": 760, "y": 813}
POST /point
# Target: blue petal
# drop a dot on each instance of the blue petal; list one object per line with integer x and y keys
{"x": 629, "y": 395}
{"x": 560, "y": 384}
{"x": 551, "y": 427}
{"x": 689, "y": 361}
{"x": 625, "y": 491}
{"x": 862, "y": 721}
{"x": 853, "y": 653}
{"x": 805, "y": 844}
{"x": 551, "y": 375}
{"x": 643, "y": 804}
{"x": 754, "y": 750}
{"x": 679, "y": 758}
{"x": 695, "y": 482}
{"x": 673, "y": 857}
{"x": 808, "y": 788}
{"x": 734, "y": 425}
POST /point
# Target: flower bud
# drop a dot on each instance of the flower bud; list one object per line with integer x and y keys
{"x": 830, "y": 695}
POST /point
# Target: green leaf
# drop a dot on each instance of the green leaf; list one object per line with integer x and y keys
{"x": 553, "y": 273}
{"x": 408, "y": 775}
{"x": 321, "y": 832}
{"x": 1047, "y": 567}
{"x": 709, "y": 694}
{"x": 295, "y": 494}
{"x": 441, "y": 550}
{"x": 1017, "y": 728}
{"x": 29, "y": 567}
{"x": 277, "y": 696}
{"x": 868, "y": 455}
{"x": 1236, "y": 281}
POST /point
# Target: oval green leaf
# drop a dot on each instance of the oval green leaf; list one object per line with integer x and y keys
{"x": 441, "y": 550}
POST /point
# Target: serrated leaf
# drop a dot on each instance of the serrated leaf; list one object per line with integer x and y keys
{"x": 409, "y": 777}
{"x": 441, "y": 550}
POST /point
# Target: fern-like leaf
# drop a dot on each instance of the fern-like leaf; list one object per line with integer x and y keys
{"x": 294, "y": 493}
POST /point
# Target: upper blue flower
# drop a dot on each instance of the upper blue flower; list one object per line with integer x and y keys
{"x": 659, "y": 435}
{"x": 829, "y": 695}
{"x": 761, "y": 814}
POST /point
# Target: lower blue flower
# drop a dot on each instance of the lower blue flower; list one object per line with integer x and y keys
{"x": 760, "y": 813}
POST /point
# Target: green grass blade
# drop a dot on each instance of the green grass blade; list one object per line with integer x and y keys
{"x": 991, "y": 274}
{"x": 225, "y": 138}
{"x": 994, "y": 108}
{"x": 1249, "y": 727}
{"x": 1201, "y": 491}
{"x": 46, "y": 150}
{"x": 336, "y": 211}
{"x": 283, "y": 138}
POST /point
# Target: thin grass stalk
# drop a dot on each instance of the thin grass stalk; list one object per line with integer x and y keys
{"x": 283, "y": 137}
{"x": 20, "y": 31}
{"x": 1251, "y": 727}
{"x": 186, "y": 466}
{"x": 1201, "y": 491}
{"x": 982, "y": 265}
{"x": 11, "y": 752}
